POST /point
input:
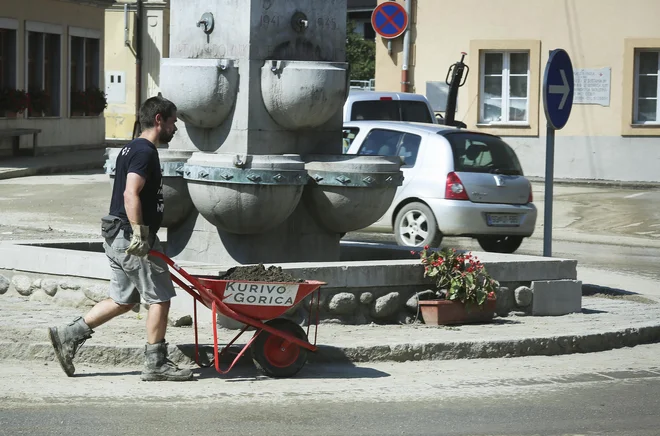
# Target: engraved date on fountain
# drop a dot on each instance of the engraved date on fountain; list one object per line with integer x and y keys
{"x": 269, "y": 21}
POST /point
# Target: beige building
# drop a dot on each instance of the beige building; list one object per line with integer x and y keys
{"x": 614, "y": 129}
{"x": 51, "y": 48}
{"x": 133, "y": 36}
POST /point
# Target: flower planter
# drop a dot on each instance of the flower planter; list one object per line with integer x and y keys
{"x": 77, "y": 113}
{"x": 11, "y": 114}
{"x": 447, "y": 312}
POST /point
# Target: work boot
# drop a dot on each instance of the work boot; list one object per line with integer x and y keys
{"x": 67, "y": 341}
{"x": 157, "y": 367}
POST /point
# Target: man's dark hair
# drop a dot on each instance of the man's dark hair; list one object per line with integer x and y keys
{"x": 155, "y": 106}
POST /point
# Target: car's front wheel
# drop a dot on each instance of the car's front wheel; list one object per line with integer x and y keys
{"x": 500, "y": 244}
{"x": 415, "y": 226}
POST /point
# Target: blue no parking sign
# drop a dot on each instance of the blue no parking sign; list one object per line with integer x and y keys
{"x": 389, "y": 20}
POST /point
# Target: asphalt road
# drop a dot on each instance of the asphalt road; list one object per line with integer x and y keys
{"x": 609, "y": 393}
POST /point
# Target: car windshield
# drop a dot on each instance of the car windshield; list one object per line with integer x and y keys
{"x": 477, "y": 153}
{"x": 391, "y": 110}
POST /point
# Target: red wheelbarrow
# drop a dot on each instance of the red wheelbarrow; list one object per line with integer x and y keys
{"x": 279, "y": 346}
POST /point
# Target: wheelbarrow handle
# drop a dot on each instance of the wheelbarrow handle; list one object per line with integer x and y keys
{"x": 192, "y": 280}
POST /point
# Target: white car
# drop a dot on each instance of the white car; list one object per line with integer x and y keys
{"x": 388, "y": 106}
{"x": 456, "y": 183}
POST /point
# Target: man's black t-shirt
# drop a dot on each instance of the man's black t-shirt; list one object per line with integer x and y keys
{"x": 141, "y": 157}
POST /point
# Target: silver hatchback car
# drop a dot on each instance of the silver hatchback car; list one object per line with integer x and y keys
{"x": 456, "y": 183}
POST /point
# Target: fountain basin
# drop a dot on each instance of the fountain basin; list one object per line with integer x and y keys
{"x": 348, "y": 192}
{"x": 204, "y": 90}
{"x": 245, "y": 194}
{"x": 303, "y": 94}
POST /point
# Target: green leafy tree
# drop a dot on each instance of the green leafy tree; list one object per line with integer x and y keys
{"x": 360, "y": 54}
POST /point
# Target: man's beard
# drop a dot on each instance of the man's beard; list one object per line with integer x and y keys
{"x": 165, "y": 137}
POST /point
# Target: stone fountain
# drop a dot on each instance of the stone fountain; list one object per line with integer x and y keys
{"x": 255, "y": 172}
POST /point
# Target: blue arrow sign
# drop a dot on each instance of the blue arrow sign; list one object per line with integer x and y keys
{"x": 558, "y": 86}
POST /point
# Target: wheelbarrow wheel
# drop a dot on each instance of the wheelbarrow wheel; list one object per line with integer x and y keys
{"x": 275, "y": 358}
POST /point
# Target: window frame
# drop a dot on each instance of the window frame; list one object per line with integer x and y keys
{"x": 381, "y": 129}
{"x": 346, "y": 141}
{"x": 628, "y": 126}
{"x": 12, "y": 24}
{"x": 44, "y": 28}
{"x": 397, "y": 149}
{"x": 506, "y": 76}
{"x": 636, "y": 76}
{"x": 85, "y": 34}
{"x": 419, "y": 149}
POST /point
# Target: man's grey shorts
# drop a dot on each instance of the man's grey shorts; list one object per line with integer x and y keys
{"x": 134, "y": 277}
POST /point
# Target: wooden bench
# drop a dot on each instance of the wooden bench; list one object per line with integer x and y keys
{"x": 16, "y": 134}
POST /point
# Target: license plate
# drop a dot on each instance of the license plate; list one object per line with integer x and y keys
{"x": 496, "y": 219}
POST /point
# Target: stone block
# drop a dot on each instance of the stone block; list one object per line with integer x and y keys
{"x": 49, "y": 286}
{"x": 505, "y": 301}
{"x": 413, "y": 301}
{"x": 96, "y": 292}
{"x": 386, "y": 306}
{"x": 22, "y": 284}
{"x": 4, "y": 284}
{"x": 366, "y": 297}
{"x": 343, "y": 303}
{"x": 556, "y": 297}
{"x": 524, "y": 296}
{"x": 73, "y": 298}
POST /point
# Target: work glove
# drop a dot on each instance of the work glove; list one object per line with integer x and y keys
{"x": 139, "y": 245}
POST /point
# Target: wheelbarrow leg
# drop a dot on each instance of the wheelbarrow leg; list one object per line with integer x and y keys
{"x": 217, "y": 354}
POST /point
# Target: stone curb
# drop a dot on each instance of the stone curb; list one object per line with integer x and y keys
{"x": 543, "y": 346}
{"x": 72, "y": 167}
{"x": 599, "y": 183}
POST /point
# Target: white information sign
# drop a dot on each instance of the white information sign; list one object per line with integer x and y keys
{"x": 592, "y": 86}
{"x": 266, "y": 294}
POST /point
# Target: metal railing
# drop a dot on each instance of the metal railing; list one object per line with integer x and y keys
{"x": 364, "y": 85}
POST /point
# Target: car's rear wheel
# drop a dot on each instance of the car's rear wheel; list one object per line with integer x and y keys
{"x": 415, "y": 226}
{"x": 500, "y": 244}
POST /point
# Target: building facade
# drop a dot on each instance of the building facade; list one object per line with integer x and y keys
{"x": 137, "y": 37}
{"x": 614, "y": 129}
{"x": 359, "y": 12}
{"x": 53, "y": 50}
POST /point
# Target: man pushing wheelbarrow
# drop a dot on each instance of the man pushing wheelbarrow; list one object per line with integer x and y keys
{"x": 140, "y": 270}
{"x": 136, "y": 213}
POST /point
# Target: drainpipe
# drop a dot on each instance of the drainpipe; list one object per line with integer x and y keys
{"x": 406, "y": 49}
{"x": 138, "y": 68}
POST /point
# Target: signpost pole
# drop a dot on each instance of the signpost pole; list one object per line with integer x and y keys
{"x": 549, "y": 182}
{"x": 558, "y": 86}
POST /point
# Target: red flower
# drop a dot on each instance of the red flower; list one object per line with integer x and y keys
{"x": 426, "y": 247}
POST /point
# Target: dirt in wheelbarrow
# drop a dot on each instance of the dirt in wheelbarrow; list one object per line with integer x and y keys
{"x": 259, "y": 273}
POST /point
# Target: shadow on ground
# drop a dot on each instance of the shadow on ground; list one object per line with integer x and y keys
{"x": 591, "y": 290}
